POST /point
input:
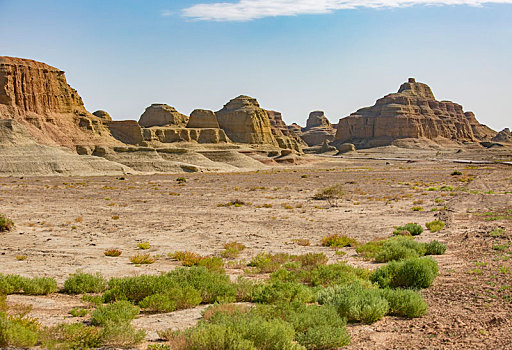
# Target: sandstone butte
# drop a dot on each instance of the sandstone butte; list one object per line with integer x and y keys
{"x": 412, "y": 112}
{"x": 39, "y": 112}
{"x": 38, "y": 97}
{"x": 318, "y": 129}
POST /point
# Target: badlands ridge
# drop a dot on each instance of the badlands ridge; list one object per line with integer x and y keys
{"x": 45, "y": 129}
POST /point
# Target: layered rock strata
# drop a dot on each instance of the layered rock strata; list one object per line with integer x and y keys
{"x": 39, "y": 98}
{"x": 201, "y": 118}
{"x": 244, "y": 121}
{"x": 318, "y": 129}
{"x": 159, "y": 114}
{"x": 412, "y": 112}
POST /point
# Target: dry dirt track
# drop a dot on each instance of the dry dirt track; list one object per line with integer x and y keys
{"x": 65, "y": 224}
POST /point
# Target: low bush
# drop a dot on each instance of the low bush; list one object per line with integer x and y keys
{"x": 405, "y": 302}
{"x": 456, "y": 173}
{"x": 13, "y": 284}
{"x": 266, "y": 262}
{"x": 338, "y": 241}
{"x": 283, "y": 292}
{"x": 370, "y": 249}
{"x": 285, "y": 326}
{"x": 212, "y": 263}
{"x": 113, "y": 252}
{"x": 336, "y": 274}
{"x": 355, "y": 302}
{"x": 212, "y": 286}
{"x": 399, "y": 248}
{"x": 232, "y": 250}
{"x": 120, "y": 335}
{"x": 415, "y": 273}
{"x": 80, "y": 283}
{"x": 435, "y": 248}
{"x": 186, "y": 258}
{"x": 158, "y": 303}
{"x": 142, "y": 259}
{"x": 119, "y": 312}
{"x": 17, "y": 329}
{"x": 331, "y": 194}
{"x": 39, "y": 286}
{"x": 78, "y": 312}
{"x": 413, "y": 229}
{"x": 436, "y": 225}
{"x": 6, "y": 224}
{"x": 143, "y": 245}
{"x": 316, "y": 327}
{"x": 71, "y": 336}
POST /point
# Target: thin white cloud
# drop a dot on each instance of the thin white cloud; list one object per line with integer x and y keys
{"x": 246, "y": 10}
{"x": 166, "y": 13}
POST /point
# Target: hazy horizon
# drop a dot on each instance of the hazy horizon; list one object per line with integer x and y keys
{"x": 293, "y": 56}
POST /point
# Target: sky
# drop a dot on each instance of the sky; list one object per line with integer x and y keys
{"x": 293, "y": 56}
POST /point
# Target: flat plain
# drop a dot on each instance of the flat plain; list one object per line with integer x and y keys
{"x": 65, "y": 224}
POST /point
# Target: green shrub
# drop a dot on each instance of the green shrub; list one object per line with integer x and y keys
{"x": 355, "y": 302}
{"x": 232, "y": 249}
{"x": 158, "y": 303}
{"x": 39, "y": 286}
{"x": 184, "y": 297}
{"x": 456, "y": 173}
{"x": 143, "y": 245}
{"x": 277, "y": 292}
{"x": 316, "y": 327}
{"x": 323, "y": 337}
{"x": 17, "y": 329}
{"x": 370, "y": 249}
{"x": 395, "y": 252}
{"x": 414, "y": 273}
{"x": 120, "y": 335}
{"x": 336, "y": 274}
{"x": 142, "y": 259}
{"x": 265, "y": 263}
{"x": 17, "y": 332}
{"x": 405, "y": 302}
{"x": 435, "y": 248}
{"x": 6, "y": 224}
{"x": 71, "y": 336}
{"x": 212, "y": 263}
{"x": 413, "y": 229}
{"x": 78, "y": 312}
{"x": 399, "y": 248}
{"x": 120, "y": 312}
{"x": 436, "y": 225}
{"x": 331, "y": 194}
{"x": 80, "y": 283}
{"x": 11, "y": 284}
{"x": 158, "y": 347}
{"x": 210, "y": 285}
{"x": 338, "y": 241}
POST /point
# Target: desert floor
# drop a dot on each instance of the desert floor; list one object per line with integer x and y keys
{"x": 64, "y": 224}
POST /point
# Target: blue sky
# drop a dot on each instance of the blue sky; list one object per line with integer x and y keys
{"x": 293, "y": 56}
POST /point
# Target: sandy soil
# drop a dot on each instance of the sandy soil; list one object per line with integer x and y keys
{"x": 65, "y": 223}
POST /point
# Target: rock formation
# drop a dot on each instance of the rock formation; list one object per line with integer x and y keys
{"x": 318, "y": 129}
{"x": 412, "y": 112}
{"x": 171, "y": 135}
{"x": 244, "y": 121}
{"x": 503, "y": 136}
{"x": 39, "y": 98}
{"x": 285, "y": 137}
{"x": 102, "y": 115}
{"x": 201, "y": 118}
{"x": 162, "y": 115}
